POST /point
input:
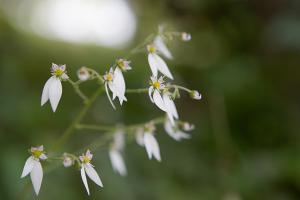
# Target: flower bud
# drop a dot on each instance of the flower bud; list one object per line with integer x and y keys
{"x": 83, "y": 74}
{"x": 186, "y": 37}
{"x": 187, "y": 126}
{"x": 68, "y": 161}
{"x": 195, "y": 95}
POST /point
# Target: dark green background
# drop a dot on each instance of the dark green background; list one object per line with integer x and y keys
{"x": 244, "y": 57}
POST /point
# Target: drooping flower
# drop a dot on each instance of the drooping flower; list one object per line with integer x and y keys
{"x": 88, "y": 168}
{"x": 174, "y": 132}
{"x": 186, "y": 36}
{"x": 145, "y": 137}
{"x": 115, "y": 154}
{"x": 115, "y": 82}
{"x": 34, "y": 167}
{"x": 83, "y": 74}
{"x": 156, "y": 63}
{"x": 164, "y": 102}
{"x": 67, "y": 161}
{"x": 53, "y": 89}
{"x": 195, "y": 95}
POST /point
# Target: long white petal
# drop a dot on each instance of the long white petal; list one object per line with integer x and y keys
{"x": 151, "y": 146}
{"x": 45, "y": 93}
{"x": 55, "y": 91}
{"x": 160, "y": 65}
{"x": 92, "y": 174}
{"x": 161, "y": 46}
{"x": 150, "y": 90}
{"x": 28, "y": 166}
{"x": 108, "y": 96}
{"x": 175, "y": 134}
{"x": 170, "y": 105}
{"x": 159, "y": 101}
{"x": 153, "y": 63}
{"x": 139, "y": 138}
{"x": 119, "y": 81}
{"x": 117, "y": 162}
{"x": 36, "y": 176}
{"x": 83, "y": 177}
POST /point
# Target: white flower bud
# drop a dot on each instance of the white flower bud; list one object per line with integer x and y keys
{"x": 195, "y": 95}
{"x": 186, "y": 37}
{"x": 187, "y": 126}
{"x": 83, "y": 74}
{"x": 68, "y": 161}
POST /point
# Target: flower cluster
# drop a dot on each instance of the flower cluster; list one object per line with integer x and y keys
{"x": 160, "y": 91}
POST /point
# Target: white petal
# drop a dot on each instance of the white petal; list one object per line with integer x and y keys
{"x": 83, "y": 177}
{"x": 117, "y": 162}
{"x": 119, "y": 81}
{"x": 36, "y": 176}
{"x": 161, "y": 46}
{"x": 108, "y": 96}
{"x": 150, "y": 90}
{"x": 92, "y": 174}
{"x": 152, "y": 64}
{"x": 151, "y": 146}
{"x": 43, "y": 156}
{"x": 45, "y": 93}
{"x": 175, "y": 134}
{"x": 160, "y": 65}
{"x": 28, "y": 166}
{"x": 55, "y": 91}
{"x": 170, "y": 105}
{"x": 159, "y": 101}
{"x": 139, "y": 137}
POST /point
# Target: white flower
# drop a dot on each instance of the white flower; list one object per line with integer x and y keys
{"x": 149, "y": 141}
{"x": 88, "y": 168}
{"x": 161, "y": 47}
{"x": 53, "y": 89}
{"x": 83, "y": 74}
{"x": 115, "y": 153}
{"x": 164, "y": 102}
{"x": 114, "y": 80}
{"x": 123, "y": 64}
{"x": 186, "y": 37}
{"x": 34, "y": 167}
{"x": 156, "y": 63}
{"x": 68, "y": 161}
{"x": 174, "y": 132}
{"x": 195, "y": 95}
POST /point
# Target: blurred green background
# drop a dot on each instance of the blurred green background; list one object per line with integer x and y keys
{"x": 244, "y": 57}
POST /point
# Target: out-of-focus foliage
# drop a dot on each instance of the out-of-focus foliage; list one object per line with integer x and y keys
{"x": 243, "y": 57}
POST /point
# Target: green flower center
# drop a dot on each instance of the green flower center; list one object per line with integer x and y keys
{"x": 37, "y": 153}
{"x": 58, "y": 72}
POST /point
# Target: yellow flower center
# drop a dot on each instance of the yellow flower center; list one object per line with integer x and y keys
{"x": 86, "y": 159}
{"x": 109, "y": 77}
{"x": 156, "y": 84}
{"x": 152, "y": 49}
{"x": 58, "y": 72}
{"x": 36, "y": 153}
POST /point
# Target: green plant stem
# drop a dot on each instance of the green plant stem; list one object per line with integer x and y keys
{"x": 68, "y": 132}
{"x": 77, "y": 89}
{"x": 141, "y": 90}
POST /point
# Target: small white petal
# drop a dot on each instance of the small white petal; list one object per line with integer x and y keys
{"x": 92, "y": 174}
{"x": 159, "y": 101}
{"x": 160, "y": 65}
{"x": 43, "y": 156}
{"x": 83, "y": 177}
{"x": 117, "y": 162}
{"x": 45, "y": 93}
{"x": 119, "y": 140}
{"x": 152, "y": 63}
{"x": 175, "y": 134}
{"x": 151, "y": 146}
{"x": 119, "y": 81}
{"x": 161, "y": 46}
{"x": 150, "y": 90}
{"x": 28, "y": 166}
{"x": 139, "y": 137}
{"x": 36, "y": 176}
{"x": 55, "y": 91}
{"x": 170, "y": 105}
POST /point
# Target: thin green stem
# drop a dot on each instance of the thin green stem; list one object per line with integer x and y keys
{"x": 141, "y": 90}
{"x": 68, "y": 132}
{"x": 77, "y": 89}
{"x": 94, "y": 127}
